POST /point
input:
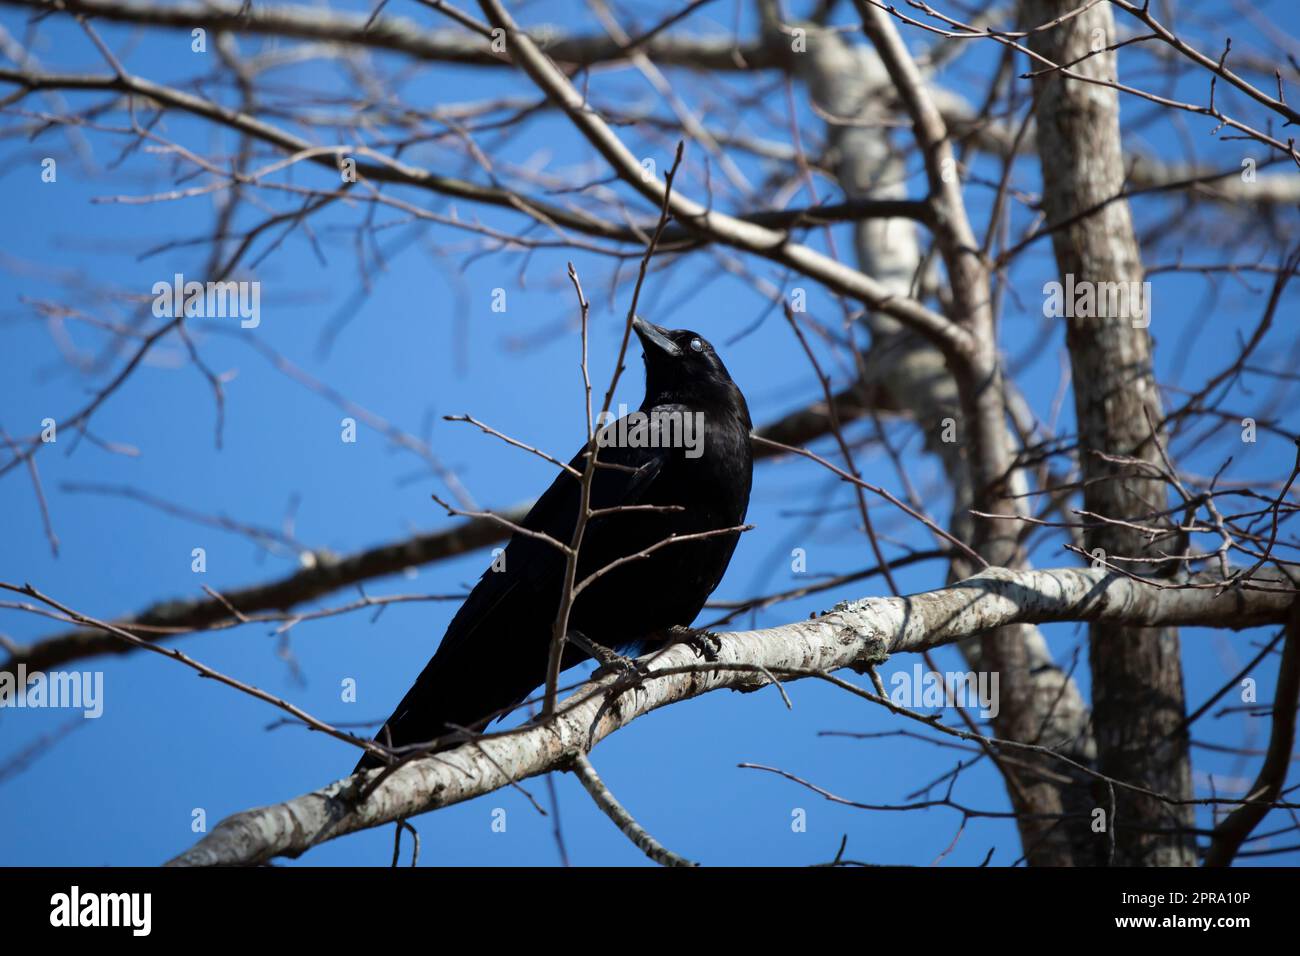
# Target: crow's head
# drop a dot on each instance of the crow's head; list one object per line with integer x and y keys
{"x": 681, "y": 366}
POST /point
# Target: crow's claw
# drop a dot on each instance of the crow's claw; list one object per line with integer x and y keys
{"x": 621, "y": 666}
{"x": 704, "y": 643}
{"x": 611, "y": 662}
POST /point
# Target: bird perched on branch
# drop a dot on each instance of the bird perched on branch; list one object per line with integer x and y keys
{"x": 682, "y": 464}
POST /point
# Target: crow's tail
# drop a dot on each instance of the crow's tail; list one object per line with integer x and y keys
{"x": 461, "y": 687}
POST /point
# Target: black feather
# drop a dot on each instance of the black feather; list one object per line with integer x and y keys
{"x": 495, "y": 650}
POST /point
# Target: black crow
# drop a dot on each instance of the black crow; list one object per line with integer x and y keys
{"x": 687, "y": 446}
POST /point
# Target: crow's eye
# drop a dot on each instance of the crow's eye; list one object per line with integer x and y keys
{"x": 697, "y": 345}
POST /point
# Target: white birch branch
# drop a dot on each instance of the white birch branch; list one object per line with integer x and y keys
{"x": 854, "y": 634}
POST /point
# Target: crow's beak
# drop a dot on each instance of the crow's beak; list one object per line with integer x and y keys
{"x": 653, "y": 337}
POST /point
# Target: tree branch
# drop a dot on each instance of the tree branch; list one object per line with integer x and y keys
{"x": 402, "y": 35}
{"x": 854, "y": 634}
{"x": 1232, "y": 832}
{"x": 705, "y": 221}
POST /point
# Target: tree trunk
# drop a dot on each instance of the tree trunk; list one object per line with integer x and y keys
{"x": 1137, "y": 698}
{"x": 1041, "y": 703}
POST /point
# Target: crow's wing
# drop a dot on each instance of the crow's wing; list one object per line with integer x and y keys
{"x": 534, "y": 568}
{"x": 495, "y": 648}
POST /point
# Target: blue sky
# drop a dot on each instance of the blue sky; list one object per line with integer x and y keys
{"x": 421, "y": 342}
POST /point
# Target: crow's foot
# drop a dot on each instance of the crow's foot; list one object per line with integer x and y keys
{"x": 705, "y": 643}
{"x": 611, "y": 662}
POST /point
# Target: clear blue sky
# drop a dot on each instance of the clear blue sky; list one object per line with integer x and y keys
{"x": 122, "y": 789}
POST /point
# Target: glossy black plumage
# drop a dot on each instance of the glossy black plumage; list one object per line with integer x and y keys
{"x": 495, "y": 650}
